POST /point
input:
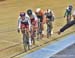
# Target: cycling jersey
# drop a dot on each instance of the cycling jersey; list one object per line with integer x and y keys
{"x": 33, "y": 19}
{"x": 25, "y": 23}
{"x": 40, "y": 15}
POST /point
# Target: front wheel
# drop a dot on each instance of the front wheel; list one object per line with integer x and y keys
{"x": 26, "y": 41}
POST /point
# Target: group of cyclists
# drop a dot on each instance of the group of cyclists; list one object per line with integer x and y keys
{"x": 31, "y": 24}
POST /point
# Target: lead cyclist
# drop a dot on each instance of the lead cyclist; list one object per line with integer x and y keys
{"x": 24, "y": 26}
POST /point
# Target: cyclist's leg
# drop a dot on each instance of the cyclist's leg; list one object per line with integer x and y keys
{"x": 24, "y": 41}
{"x": 33, "y": 32}
{"x": 36, "y": 33}
{"x": 28, "y": 37}
{"x": 40, "y": 28}
{"x": 36, "y": 28}
{"x": 48, "y": 30}
{"x": 51, "y": 27}
{"x": 40, "y": 31}
{"x": 68, "y": 19}
{"x": 33, "y": 39}
{"x": 43, "y": 26}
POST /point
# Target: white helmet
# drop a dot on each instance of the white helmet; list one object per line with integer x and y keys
{"x": 38, "y": 10}
{"x": 48, "y": 10}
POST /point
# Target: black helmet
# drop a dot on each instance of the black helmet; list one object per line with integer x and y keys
{"x": 29, "y": 12}
{"x": 70, "y": 5}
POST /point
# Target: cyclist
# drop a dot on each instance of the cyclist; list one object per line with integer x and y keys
{"x": 40, "y": 14}
{"x": 50, "y": 19}
{"x": 34, "y": 23}
{"x": 66, "y": 26}
{"x": 68, "y": 13}
{"x": 24, "y": 25}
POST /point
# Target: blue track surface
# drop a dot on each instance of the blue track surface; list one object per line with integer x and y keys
{"x": 50, "y": 50}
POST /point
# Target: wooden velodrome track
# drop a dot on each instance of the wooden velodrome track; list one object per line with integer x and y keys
{"x": 10, "y": 40}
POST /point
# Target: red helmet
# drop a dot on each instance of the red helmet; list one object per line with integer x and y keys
{"x": 22, "y": 14}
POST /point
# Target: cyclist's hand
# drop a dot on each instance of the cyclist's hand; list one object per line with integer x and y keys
{"x": 18, "y": 30}
{"x": 64, "y": 16}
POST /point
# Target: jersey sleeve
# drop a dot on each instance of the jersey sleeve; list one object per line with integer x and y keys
{"x": 29, "y": 22}
{"x": 35, "y": 16}
{"x": 19, "y": 23}
{"x": 53, "y": 14}
{"x": 65, "y": 13}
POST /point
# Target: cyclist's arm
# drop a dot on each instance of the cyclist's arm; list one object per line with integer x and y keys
{"x": 19, "y": 23}
{"x": 29, "y": 22}
{"x": 65, "y": 13}
{"x": 36, "y": 19}
{"x": 53, "y": 16}
{"x": 35, "y": 16}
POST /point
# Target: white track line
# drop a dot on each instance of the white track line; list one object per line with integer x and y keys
{"x": 8, "y": 41}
